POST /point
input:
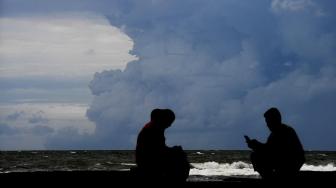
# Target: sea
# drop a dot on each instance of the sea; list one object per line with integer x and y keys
{"x": 206, "y": 164}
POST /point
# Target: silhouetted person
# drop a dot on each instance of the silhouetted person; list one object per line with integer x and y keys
{"x": 282, "y": 155}
{"x": 154, "y": 159}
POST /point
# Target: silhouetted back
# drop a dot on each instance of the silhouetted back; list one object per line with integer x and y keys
{"x": 286, "y": 149}
{"x": 150, "y": 147}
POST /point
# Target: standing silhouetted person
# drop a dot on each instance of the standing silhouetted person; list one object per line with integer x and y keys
{"x": 282, "y": 155}
{"x": 154, "y": 159}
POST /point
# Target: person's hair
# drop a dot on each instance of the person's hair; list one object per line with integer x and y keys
{"x": 273, "y": 113}
{"x": 155, "y": 114}
{"x": 162, "y": 115}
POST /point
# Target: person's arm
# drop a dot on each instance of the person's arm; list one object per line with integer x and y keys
{"x": 255, "y": 145}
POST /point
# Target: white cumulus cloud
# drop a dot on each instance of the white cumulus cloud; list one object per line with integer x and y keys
{"x": 62, "y": 44}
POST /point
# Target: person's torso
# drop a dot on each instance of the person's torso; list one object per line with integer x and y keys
{"x": 284, "y": 145}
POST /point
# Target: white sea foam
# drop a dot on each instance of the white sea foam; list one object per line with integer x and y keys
{"x": 223, "y": 169}
{"x": 128, "y": 164}
{"x": 240, "y": 168}
{"x": 328, "y": 167}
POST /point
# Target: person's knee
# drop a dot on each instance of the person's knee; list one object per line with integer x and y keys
{"x": 255, "y": 158}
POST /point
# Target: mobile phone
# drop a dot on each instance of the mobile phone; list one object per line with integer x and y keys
{"x": 247, "y": 139}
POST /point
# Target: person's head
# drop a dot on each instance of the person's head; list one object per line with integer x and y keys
{"x": 155, "y": 114}
{"x": 273, "y": 118}
{"x": 163, "y": 117}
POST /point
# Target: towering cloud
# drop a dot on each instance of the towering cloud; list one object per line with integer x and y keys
{"x": 219, "y": 65}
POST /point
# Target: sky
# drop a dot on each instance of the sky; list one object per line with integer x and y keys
{"x": 84, "y": 74}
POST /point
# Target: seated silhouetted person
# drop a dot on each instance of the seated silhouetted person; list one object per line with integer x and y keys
{"x": 154, "y": 159}
{"x": 282, "y": 155}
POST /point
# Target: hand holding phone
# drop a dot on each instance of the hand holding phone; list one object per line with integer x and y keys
{"x": 247, "y": 139}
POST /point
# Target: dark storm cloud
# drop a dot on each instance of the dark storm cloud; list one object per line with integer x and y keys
{"x": 219, "y": 66}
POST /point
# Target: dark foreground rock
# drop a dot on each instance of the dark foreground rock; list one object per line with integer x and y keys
{"x": 126, "y": 178}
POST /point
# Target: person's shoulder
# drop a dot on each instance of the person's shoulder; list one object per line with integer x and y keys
{"x": 288, "y": 128}
{"x": 145, "y": 129}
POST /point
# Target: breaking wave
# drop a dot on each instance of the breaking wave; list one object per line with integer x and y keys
{"x": 240, "y": 168}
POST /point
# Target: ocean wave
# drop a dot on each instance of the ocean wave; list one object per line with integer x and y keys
{"x": 128, "y": 164}
{"x": 240, "y": 168}
{"x": 328, "y": 167}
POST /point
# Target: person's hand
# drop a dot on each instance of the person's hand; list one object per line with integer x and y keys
{"x": 248, "y": 141}
{"x": 253, "y": 144}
